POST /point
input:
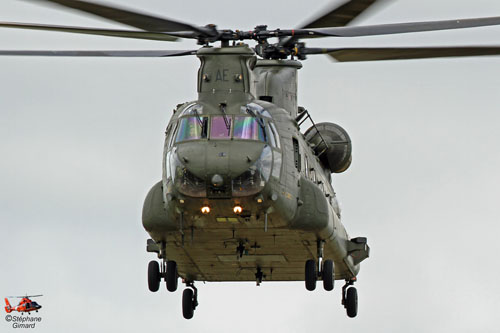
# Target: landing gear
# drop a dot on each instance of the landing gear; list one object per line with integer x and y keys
{"x": 350, "y": 299}
{"x": 189, "y": 300}
{"x": 323, "y": 269}
{"x": 328, "y": 275}
{"x": 311, "y": 275}
{"x": 172, "y": 277}
{"x": 168, "y": 271}
{"x": 154, "y": 276}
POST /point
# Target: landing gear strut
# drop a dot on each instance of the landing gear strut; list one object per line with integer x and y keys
{"x": 189, "y": 300}
{"x": 350, "y": 298}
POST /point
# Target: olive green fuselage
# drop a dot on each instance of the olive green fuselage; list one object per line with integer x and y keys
{"x": 239, "y": 145}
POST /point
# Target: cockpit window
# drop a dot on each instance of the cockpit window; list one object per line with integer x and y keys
{"x": 192, "y": 110}
{"x": 257, "y": 109}
{"x": 192, "y": 128}
{"x": 248, "y": 128}
{"x": 220, "y": 127}
{"x": 275, "y": 134}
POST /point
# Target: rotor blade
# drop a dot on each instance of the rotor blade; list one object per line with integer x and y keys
{"x": 130, "y": 54}
{"x": 132, "y": 18}
{"x": 400, "y": 28}
{"x": 399, "y": 53}
{"x": 92, "y": 31}
{"x": 341, "y": 16}
{"x": 337, "y": 17}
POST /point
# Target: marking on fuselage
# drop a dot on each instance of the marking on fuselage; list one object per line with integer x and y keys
{"x": 222, "y": 75}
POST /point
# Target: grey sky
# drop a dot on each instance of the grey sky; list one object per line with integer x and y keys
{"x": 81, "y": 143}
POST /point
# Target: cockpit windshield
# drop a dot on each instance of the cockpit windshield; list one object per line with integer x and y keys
{"x": 192, "y": 128}
{"x": 220, "y": 127}
{"x": 248, "y": 128}
{"x": 224, "y": 128}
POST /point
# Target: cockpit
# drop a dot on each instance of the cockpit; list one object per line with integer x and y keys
{"x": 253, "y": 124}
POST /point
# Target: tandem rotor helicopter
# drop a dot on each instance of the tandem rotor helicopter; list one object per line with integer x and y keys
{"x": 246, "y": 194}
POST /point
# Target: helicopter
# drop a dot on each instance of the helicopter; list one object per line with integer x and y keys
{"x": 252, "y": 193}
{"x": 25, "y": 304}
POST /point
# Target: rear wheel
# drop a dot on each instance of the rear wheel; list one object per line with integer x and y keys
{"x": 328, "y": 275}
{"x": 172, "y": 276}
{"x": 310, "y": 275}
{"x": 154, "y": 276}
{"x": 351, "y": 302}
{"x": 188, "y": 303}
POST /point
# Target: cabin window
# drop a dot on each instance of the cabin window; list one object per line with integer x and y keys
{"x": 220, "y": 128}
{"x": 172, "y": 133}
{"x": 248, "y": 128}
{"x": 192, "y": 128}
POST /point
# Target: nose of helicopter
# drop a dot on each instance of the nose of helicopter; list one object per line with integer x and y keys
{"x": 220, "y": 169}
{"x": 218, "y": 161}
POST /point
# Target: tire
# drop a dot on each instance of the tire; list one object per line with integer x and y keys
{"x": 154, "y": 276}
{"x": 310, "y": 275}
{"x": 172, "y": 276}
{"x": 187, "y": 303}
{"x": 328, "y": 275}
{"x": 351, "y": 302}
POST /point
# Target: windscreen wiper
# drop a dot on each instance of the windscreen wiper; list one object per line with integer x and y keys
{"x": 224, "y": 114}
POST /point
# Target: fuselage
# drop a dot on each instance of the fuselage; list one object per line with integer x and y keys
{"x": 238, "y": 173}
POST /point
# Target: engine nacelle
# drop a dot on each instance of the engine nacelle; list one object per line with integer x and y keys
{"x": 335, "y": 155}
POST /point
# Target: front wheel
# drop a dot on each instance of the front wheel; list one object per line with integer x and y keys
{"x": 154, "y": 276}
{"x": 328, "y": 275}
{"x": 172, "y": 276}
{"x": 310, "y": 275}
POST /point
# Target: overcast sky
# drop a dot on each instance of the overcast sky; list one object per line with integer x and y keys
{"x": 81, "y": 144}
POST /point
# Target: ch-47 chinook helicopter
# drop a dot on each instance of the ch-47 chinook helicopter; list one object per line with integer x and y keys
{"x": 245, "y": 194}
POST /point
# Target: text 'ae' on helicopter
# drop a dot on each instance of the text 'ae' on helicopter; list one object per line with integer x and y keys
{"x": 246, "y": 194}
{"x": 24, "y": 305}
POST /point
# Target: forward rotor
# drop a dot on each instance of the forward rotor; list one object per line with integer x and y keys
{"x": 331, "y": 23}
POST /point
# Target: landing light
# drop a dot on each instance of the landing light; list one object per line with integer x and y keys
{"x": 237, "y": 209}
{"x": 205, "y": 209}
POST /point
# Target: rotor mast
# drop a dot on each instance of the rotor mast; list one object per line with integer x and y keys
{"x": 276, "y": 82}
{"x": 225, "y": 75}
